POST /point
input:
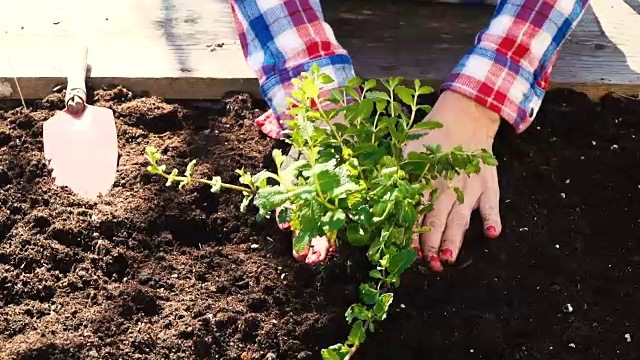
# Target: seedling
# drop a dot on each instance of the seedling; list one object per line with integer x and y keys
{"x": 354, "y": 182}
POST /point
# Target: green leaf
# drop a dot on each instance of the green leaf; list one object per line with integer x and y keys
{"x": 377, "y": 95}
{"x": 344, "y": 190}
{"x": 326, "y": 79}
{"x": 357, "y": 311}
{"x": 333, "y": 220}
{"x": 399, "y": 262}
{"x": 357, "y": 235}
{"x": 284, "y": 216}
{"x": 376, "y": 274}
{"x": 245, "y": 202}
{"x": 216, "y": 185}
{"x": 329, "y": 354}
{"x": 340, "y": 350}
{"x": 190, "y": 168}
{"x": 320, "y": 167}
{"x": 459, "y": 194}
{"x": 370, "y": 84}
{"x": 357, "y": 335}
{"x": 363, "y": 148}
{"x": 245, "y": 177}
{"x": 260, "y": 179}
{"x": 278, "y": 158}
{"x": 415, "y": 136}
{"x": 369, "y": 294}
{"x": 354, "y": 82}
{"x": 381, "y": 105}
{"x": 269, "y": 198}
{"x": 427, "y": 125}
{"x": 374, "y": 250}
{"x": 488, "y": 158}
{"x": 426, "y": 108}
{"x": 381, "y": 308}
{"x": 365, "y": 109}
{"x": 302, "y": 241}
{"x": 405, "y": 94}
{"x": 290, "y": 172}
{"x": 416, "y": 162}
{"x": 311, "y": 89}
{"x": 407, "y": 215}
{"x": 327, "y": 181}
{"x": 305, "y": 127}
{"x": 424, "y": 90}
{"x": 308, "y": 215}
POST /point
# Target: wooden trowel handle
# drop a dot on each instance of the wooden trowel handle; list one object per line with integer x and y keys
{"x": 76, "y": 95}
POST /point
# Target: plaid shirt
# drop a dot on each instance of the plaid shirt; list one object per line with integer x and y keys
{"x": 507, "y": 70}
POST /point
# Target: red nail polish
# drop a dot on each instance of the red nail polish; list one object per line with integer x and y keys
{"x": 435, "y": 264}
{"x": 447, "y": 253}
{"x": 333, "y": 249}
{"x": 491, "y": 229}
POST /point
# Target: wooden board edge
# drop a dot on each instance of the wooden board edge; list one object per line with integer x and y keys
{"x": 184, "y": 88}
{"x": 202, "y": 88}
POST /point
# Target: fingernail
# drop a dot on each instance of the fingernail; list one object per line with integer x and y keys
{"x": 491, "y": 229}
{"x": 435, "y": 263}
{"x": 284, "y": 226}
{"x": 447, "y": 254}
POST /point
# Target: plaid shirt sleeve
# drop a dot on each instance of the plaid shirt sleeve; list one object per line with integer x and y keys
{"x": 508, "y": 68}
{"x": 283, "y": 38}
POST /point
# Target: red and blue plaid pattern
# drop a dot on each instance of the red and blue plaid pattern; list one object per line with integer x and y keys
{"x": 507, "y": 69}
{"x": 283, "y": 38}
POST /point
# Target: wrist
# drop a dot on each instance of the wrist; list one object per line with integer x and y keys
{"x": 472, "y": 118}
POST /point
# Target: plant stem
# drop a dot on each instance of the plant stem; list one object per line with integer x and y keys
{"x": 353, "y": 350}
{"x": 208, "y": 182}
{"x": 324, "y": 202}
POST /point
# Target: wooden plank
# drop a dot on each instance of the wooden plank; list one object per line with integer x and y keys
{"x": 425, "y": 41}
{"x": 171, "y": 48}
{"x": 164, "y": 47}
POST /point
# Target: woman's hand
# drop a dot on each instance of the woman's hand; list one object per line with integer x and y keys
{"x": 473, "y": 127}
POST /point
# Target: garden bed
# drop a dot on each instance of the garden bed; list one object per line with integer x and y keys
{"x": 148, "y": 272}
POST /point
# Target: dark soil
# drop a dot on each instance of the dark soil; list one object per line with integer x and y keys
{"x": 150, "y": 273}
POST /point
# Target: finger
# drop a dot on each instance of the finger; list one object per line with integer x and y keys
{"x": 458, "y": 222}
{"x": 489, "y": 205}
{"x": 269, "y": 125}
{"x": 436, "y": 220}
{"x": 319, "y": 250}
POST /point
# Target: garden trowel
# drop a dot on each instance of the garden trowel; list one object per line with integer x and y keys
{"x": 81, "y": 142}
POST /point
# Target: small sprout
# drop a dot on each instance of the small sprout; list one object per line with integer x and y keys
{"x": 567, "y": 308}
{"x": 627, "y": 337}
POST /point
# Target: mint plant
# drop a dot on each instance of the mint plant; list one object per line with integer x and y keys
{"x": 354, "y": 183}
